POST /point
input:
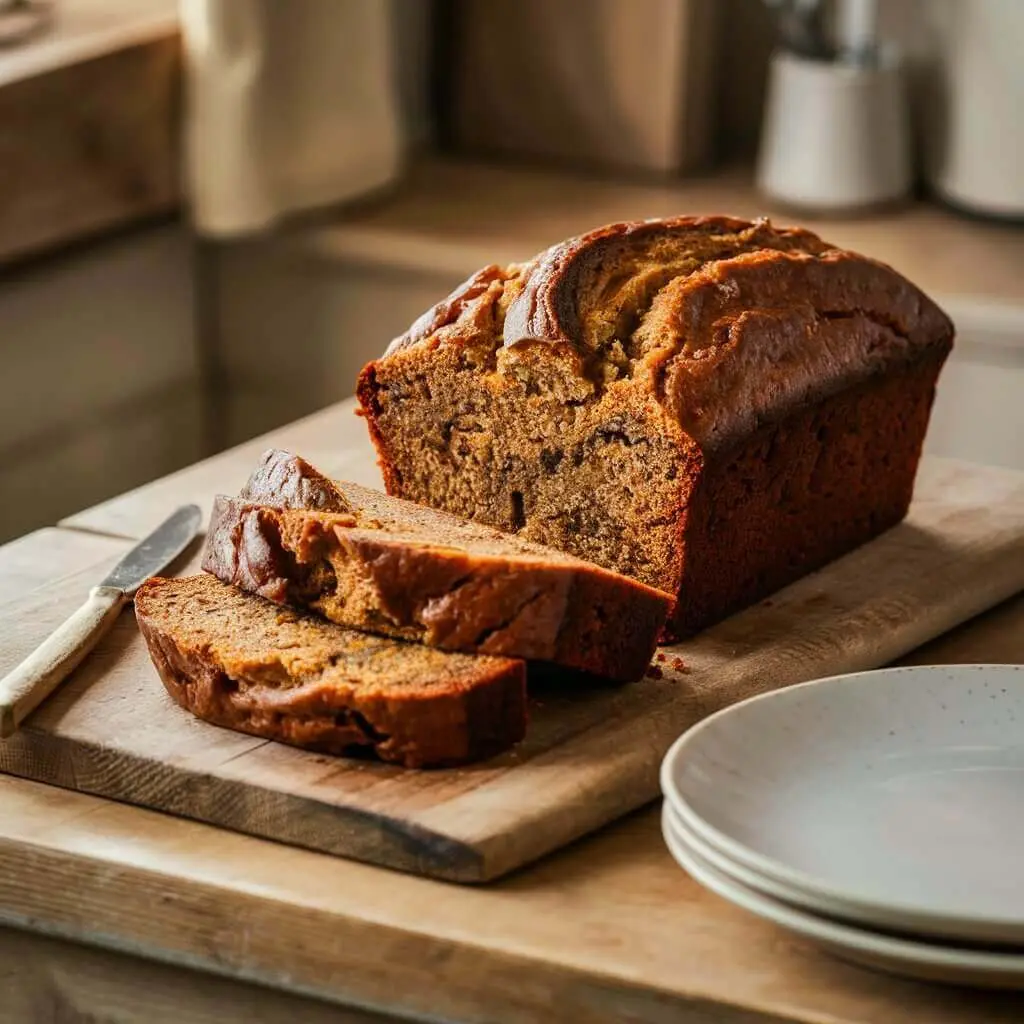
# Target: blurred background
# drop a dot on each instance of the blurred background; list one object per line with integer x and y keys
{"x": 214, "y": 212}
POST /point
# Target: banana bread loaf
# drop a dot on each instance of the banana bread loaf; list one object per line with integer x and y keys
{"x": 239, "y": 661}
{"x": 712, "y": 406}
{"x": 369, "y": 561}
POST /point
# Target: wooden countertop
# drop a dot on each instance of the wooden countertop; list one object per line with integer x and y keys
{"x": 608, "y": 929}
{"x": 454, "y": 216}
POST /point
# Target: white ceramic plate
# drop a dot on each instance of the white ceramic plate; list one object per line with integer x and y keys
{"x": 907, "y": 957}
{"x": 771, "y": 887}
{"x": 894, "y": 798}
{"x": 874, "y": 918}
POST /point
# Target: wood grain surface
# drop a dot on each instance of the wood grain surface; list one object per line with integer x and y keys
{"x": 46, "y": 555}
{"x": 607, "y": 931}
{"x": 592, "y": 753}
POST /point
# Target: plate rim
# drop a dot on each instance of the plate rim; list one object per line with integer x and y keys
{"x": 837, "y": 911}
{"x": 840, "y": 935}
{"x": 914, "y": 918}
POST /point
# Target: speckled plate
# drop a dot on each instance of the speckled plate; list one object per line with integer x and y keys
{"x": 912, "y": 958}
{"x": 894, "y": 798}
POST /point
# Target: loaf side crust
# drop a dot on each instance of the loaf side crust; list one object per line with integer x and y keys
{"x": 797, "y": 494}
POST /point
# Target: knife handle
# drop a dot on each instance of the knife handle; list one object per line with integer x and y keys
{"x": 28, "y": 685}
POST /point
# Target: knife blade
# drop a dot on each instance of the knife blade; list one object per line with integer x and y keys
{"x": 28, "y": 685}
{"x": 152, "y": 553}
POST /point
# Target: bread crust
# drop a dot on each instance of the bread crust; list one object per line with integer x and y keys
{"x": 299, "y": 691}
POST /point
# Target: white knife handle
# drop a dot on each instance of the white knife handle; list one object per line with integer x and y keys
{"x": 24, "y": 688}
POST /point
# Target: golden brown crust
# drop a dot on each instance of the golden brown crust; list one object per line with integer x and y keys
{"x": 593, "y": 398}
{"x": 237, "y": 661}
{"x": 572, "y": 277}
{"x": 693, "y": 278}
{"x": 453, "y": 308}
{"x": 418, "y": 574}
{"x": 287, "y": 481}
{"x": 733, "y": 350}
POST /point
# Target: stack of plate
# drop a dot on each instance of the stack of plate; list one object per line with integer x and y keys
{"x": 880, "y": 815}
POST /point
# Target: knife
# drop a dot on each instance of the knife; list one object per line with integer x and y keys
{"x": 27, "y": 686}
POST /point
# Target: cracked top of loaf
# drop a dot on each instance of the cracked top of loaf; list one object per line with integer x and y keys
{"x": 725, "y": 322}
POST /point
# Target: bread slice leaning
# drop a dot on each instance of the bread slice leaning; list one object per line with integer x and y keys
{"x": 242, "y": 662}
{"x": 372, "y": 562}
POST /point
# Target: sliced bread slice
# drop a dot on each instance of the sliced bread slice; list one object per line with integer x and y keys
{"x": 364, "y": 559}
{"x": 239, "y": 661}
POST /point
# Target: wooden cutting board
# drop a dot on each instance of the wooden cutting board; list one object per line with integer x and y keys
{"x": 591, "y": 754}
